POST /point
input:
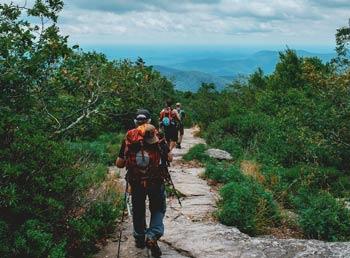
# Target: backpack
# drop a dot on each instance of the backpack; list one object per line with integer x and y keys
{"x": 142, "y": 159}
{"x": 182, "y": 114}
{"x": 167, "y": 117}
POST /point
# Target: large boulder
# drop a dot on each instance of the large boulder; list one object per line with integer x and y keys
{"x": 219, "y": 154}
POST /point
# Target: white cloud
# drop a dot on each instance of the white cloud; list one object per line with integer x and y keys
{"x": 204, "y": 21}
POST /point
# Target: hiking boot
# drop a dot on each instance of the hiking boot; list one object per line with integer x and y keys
{"x": 153, "y": 246}
{"x": 140, "y": 243}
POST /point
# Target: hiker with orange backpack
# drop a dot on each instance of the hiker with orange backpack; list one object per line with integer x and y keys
{"x": 142, "y": 153}
{"x": 169, "y": 119}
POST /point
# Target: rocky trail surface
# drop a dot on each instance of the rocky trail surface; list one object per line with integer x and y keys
{"x": 191, "y": 231}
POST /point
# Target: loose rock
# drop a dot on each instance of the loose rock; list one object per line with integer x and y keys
{"x": 219, "y": 154}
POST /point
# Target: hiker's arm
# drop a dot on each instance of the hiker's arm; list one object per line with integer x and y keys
{"x": 170, "y": 157}
{"x": 165, "y": 148}
{"x": 120, "y": 162}
{"x": 170, "y": 154}
{"x": 177, "y": 115}
{"x": 160, "y": 119}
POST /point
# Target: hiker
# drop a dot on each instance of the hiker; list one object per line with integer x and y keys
{"x": 169, "y": 119}
{"x": 141, "y": 153}
{"x": 180, "y": 127}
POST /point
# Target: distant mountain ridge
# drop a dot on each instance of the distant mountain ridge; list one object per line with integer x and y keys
{"x": 191, "y": 80}
{"x": 189, "y": 75}
{"x": 266, "y": 60}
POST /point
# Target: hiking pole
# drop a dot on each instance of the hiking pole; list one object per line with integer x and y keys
{"x": 121, "y": 223}
{"x": 164, "y": 165}
{"x": 176, "y": 193}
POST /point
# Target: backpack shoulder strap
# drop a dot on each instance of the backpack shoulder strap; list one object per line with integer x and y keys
{"x": 162, "y": 114}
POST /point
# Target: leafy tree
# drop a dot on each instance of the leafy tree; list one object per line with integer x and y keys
{"x": 342, "y": 48}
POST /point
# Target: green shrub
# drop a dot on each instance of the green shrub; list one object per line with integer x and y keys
{"x": 4, "y": 239}
{"x": 197, "y": 152}
{"x": 40, "y": 185}
{"x": 247, "y": 206}
{"x": 102, "y": 150}
{"x": 93, "y": 175}
{"x": 231, "y": 145}
{"x": 325, "y": 218}
{"x": 223, "y": 172}
{"x": 33, "y": 239}
{"x": 96, "y": 222}
{"x": 285, "y": 183}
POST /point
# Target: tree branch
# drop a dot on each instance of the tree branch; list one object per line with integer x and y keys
{"x": 86, "y": 113}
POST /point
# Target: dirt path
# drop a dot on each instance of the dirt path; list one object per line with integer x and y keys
{"x": 190, "y": 231}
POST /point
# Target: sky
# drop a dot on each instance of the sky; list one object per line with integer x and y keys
{"x": 204, "y": 22}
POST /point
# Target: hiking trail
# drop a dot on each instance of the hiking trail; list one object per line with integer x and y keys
{"x": 191, "y": 231}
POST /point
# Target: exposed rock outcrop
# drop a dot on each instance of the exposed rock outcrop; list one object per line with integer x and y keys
{"x": 219, "y": 154}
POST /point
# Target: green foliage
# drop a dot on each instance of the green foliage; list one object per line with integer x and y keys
{"x": 32, "y": 239}
{"x": 223, "y": 172}
{"x": 99, "y": 92}
{"x": 342, "y": 47}
{"x": 55, "y": 102}
{"x": 102, "y": 150}
{"x": 96, "y": 222}
{"x": 286, "y": 183}
{"x": 247, "y": 206}
{"x": 325, "y": 218}
{"x": 208, "y": 99}
{"x": 38, "y": 188}
{"x": 197, "y": 152}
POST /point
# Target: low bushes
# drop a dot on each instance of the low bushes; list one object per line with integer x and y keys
{"x": 253, "y": 206}
{"x": 197, "y": 152}
{"x": 95, "y": 223}
{"x": 223, "y": 172}
{"x": 324, "y": 218}
{"x": 100, "y": 150}
{"x": 247, "y": 206}
{"x": 42, "y": 183}
{"x": 287, "y": 182}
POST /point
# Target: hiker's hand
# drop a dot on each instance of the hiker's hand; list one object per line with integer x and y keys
{"x": 120, "y": 162}
{"x": 170, "y": 157}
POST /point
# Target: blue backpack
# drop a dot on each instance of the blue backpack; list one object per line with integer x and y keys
{"x": 166, "y": 121}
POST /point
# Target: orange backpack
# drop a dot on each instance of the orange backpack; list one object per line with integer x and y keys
{"x": 142, "y": 159}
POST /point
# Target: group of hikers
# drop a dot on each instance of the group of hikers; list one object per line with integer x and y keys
{"x": 146, "y": 153}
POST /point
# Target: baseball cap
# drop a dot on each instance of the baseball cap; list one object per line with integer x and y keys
{"x": 142, "y": 114}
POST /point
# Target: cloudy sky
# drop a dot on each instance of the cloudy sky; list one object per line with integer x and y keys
{"x": 221, "y": 22}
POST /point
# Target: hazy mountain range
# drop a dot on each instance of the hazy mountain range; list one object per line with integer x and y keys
{"x": 191, "y": 80}
{"x": 190, "y": 74}
{"x": 189, "y": 66}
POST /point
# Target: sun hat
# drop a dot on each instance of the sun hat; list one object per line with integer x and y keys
{"x": 149, "y": 133}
